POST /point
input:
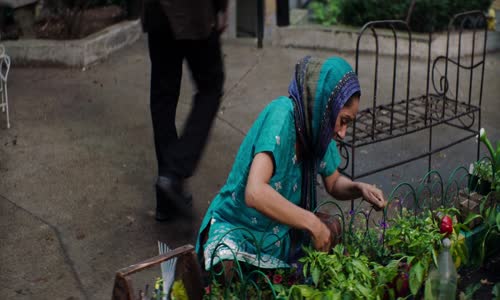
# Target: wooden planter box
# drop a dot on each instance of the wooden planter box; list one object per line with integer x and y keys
{"x": 187, "y": 270}
{"x": 469, "y": 204}
{"x": 473, "y": 238}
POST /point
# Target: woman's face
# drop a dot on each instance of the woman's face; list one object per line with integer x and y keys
{"x": 345, "y": 118}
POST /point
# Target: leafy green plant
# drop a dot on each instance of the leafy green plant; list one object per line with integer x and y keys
{"x": 387, "y": 261}
{"x": 496, "y": 291}
{"x": 483, "y": 170}
{"x": 469, "y": 292}
{"x": 337, "y": 275}
{"x": 491, "y": 221}
{"x": 325, "y": 12}
{"x": 417, "y": 238}
{"x": 494, "y": 158}
{"x": 427, "y": 15}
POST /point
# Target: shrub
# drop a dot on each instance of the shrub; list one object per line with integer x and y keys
{"x": 325, "y": 12}
{"x": 427, "y": 15}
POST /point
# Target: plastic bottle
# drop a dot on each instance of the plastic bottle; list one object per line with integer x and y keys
{"x": 447, "y": 273}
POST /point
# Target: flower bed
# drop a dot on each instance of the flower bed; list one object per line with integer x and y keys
{"x": 381, "y": 255}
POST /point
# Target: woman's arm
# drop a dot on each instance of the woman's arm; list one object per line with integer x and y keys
{"x": 262, "y": 197}
{"x": 343, "y": 188}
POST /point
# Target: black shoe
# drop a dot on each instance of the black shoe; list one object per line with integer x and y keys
{"x": 162, "y": 216}
{"x": 164, "y": 209}
{"x": 173, "y": 189}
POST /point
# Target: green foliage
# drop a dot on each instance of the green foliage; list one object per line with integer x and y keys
{"x": 413, "y": 240}
{"x": 325, "y": 12}
{"x": 361, "y": 268}
{"x": 491, "y": 221}
{"x": 470, "y": 290}
{"x": 496, "y": 291}
{"x": 353, "y": 276}
{"x": 483, "y": 170}
{"x": 179, "y": 291}
{"x": 427, "y": 15}
{"x": 494, "y": 158}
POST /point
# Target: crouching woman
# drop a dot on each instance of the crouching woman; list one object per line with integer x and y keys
{"x": 265, "y": 210}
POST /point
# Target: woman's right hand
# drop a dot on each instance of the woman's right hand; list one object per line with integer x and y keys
{"x": 321, "y": 235}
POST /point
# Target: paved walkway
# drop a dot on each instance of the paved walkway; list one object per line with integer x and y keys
{"x": 77, "y": 167}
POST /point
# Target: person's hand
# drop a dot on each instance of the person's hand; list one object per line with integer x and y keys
{"x": 222, "y": 21}
{"x": 373, "y": 195}
{"x": 321, "y": 236}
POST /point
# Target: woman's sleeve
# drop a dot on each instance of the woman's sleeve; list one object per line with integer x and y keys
{"x": 275, "y": 136}
{"x": 330, "y": 161}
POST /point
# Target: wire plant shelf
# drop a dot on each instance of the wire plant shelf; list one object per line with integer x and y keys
{"x": 439, "y": 105}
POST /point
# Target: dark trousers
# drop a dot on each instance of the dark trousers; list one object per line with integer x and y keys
{"x": 178, "y": 155}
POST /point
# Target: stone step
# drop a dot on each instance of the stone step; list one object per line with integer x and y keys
{"x": 16, "y": 3}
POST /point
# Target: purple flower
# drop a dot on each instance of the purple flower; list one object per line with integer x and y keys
{"x": 351, "y": 212}
{"x": 383, "y": 225}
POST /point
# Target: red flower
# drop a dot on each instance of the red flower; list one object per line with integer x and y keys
{"x": 207, "y": 290}
{"x": 277, "y": 278}
{"x": 446, "y": 226}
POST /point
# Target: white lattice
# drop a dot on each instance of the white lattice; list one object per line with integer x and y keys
{"x": 4, "y": 73}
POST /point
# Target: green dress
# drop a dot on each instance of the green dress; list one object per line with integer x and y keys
{"x": 238, "y": 231}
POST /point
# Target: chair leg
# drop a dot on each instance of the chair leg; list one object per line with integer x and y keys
{"x": 6, "y": 104}
{"x": 3, "y": 98}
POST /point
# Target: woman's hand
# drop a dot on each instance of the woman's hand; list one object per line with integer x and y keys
{"x": 321, "y": 235}
{"x": 373, "y": 195}
{"x": 222, "y": 21}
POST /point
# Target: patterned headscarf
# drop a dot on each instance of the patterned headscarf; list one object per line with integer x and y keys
{"x": 319, "y": 90}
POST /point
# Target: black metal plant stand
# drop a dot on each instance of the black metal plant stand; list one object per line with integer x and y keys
{"x": 400, "y": 117}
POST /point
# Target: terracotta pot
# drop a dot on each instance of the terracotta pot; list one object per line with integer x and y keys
{"x": 333, "y": 224}
{"x": 484, "y": 187}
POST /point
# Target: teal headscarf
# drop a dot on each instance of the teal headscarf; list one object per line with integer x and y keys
{"x": 319, "y": 90}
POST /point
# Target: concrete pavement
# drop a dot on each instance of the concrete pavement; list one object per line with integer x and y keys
{"x": 78, "y": 165}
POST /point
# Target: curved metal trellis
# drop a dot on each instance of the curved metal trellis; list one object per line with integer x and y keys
{"x": 362, "y": 227}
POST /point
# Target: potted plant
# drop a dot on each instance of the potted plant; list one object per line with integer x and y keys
{"x": 494, "y": 161}
{"x": 482, "y": 177}
{"x": 486, "y": 241}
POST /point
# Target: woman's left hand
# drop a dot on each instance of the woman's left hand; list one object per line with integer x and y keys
{"x": 373, "y": 195}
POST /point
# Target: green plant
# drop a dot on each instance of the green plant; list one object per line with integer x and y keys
{"x": 494, "y": 157}
{"x": 178, "y": 291}
{"x": 341, "y": 276}
{"x": 496, "y": 291}
{"x": 325, "y": 12}
{"x": 427, "y": 15}
{"x": 417, "y": 239}
{"x": 483, "y": 170}
{"x": 469, "y": 292}
{"x": 491, "y": 221}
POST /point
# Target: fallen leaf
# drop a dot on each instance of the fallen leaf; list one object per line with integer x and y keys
{"x": 130, "y": 220}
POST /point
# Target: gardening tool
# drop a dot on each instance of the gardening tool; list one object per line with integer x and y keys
{"x": 167, "y": 270}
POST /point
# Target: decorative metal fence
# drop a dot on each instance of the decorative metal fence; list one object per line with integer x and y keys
{"x": 362, "y": 227}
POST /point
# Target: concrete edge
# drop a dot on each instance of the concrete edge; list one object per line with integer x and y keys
{"x": 344, "y": 40}
{"x": 74, "y": 53}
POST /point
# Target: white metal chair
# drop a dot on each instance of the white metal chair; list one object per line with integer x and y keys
{"x": 4, "y": 73}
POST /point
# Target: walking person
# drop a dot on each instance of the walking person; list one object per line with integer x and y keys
{"x": 178, "y": 30}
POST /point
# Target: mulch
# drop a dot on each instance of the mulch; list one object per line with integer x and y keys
{"x": 56, "y": 27}
{"x": 487, "y": 275}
